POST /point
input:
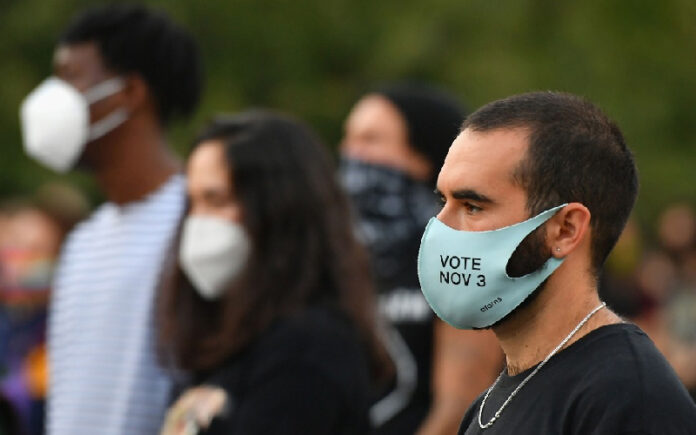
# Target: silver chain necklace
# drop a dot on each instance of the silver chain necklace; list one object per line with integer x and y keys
{"x": 519, "y": 387}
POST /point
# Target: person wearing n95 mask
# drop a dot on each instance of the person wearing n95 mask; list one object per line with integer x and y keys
{"x": 213, "y": 252}
{"x": 270, "y": 309}
{"x": 214, "y": 246}
{"x": 122, "y": 74}
{"x": 56, "y": 120}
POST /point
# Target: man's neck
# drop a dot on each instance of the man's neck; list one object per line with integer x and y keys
{"x": 530, "y": 334}
{"x": 139, "y": 162}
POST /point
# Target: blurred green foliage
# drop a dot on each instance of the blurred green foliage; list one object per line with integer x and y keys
{"x": 635, "y": 59}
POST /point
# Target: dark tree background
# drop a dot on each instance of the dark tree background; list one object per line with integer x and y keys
{"x": 636, "y": 59}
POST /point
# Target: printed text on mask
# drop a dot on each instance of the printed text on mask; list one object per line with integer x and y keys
{"x": 460, "y": 266}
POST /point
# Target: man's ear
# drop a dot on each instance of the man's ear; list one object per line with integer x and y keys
{"x": 137, "y": 93}
{"x": 568, "y": 229}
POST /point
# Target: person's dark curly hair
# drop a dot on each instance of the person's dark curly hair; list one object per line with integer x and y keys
{"x": 136, "y": 39}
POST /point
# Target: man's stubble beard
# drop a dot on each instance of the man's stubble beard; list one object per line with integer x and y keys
{"x": 531, "y": 254}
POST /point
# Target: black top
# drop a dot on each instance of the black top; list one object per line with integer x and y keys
{"x": 392, "y": 210}
{"x": 409, "y": 341}
{"x": 613, "y": 381}
{"x": 308, "y": 374}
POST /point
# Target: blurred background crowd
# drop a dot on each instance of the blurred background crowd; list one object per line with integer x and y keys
{"x": 315, "y": 59}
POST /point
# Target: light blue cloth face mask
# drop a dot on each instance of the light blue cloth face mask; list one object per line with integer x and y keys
{"x": 462, "y": 273}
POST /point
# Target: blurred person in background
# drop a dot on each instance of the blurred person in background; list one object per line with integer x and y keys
{"x": 395, "y": 142}
{"x": 123, "y": 73}
{"x": 33, "y": 230}
{"x": 665, "y": 281}
{"x": 654, "y": 286}
{"x": 270, "y": 308}
{"x": 676, "y": 229}
{"x": 618, "y": 285}
{"x": 8, "y": 418}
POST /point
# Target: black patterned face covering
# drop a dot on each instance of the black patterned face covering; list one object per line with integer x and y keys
{"x": 392, "y": 210}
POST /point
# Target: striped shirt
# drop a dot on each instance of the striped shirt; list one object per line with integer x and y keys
{"x": 104, "y": 373}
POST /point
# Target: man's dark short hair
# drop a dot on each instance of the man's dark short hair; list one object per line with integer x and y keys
{"x": 135, "y": 39}
{"x": 576, "y": 154}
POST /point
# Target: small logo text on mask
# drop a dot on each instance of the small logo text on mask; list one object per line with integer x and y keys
{"x": 490, "y": 305}
{"x": 460, "y": 273}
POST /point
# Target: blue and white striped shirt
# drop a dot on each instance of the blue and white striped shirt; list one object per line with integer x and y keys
{"x": 104, "y": 377}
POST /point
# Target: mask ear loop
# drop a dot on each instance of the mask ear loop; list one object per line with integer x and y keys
{"x": 108, "y": 123}
{"x": 98, "y": 92}
{"x": 550, "y": 212}
{"x": 104, "y": 89}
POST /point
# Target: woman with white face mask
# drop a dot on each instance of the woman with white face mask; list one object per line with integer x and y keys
{"x": 270, "y": 310}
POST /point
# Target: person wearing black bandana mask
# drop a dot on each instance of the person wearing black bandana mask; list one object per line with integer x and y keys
{"x": 396, "y": 139}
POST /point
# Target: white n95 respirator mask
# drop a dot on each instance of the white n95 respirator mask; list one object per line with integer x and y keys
{"x": 213, "y": 253}
{"x": 463, "y": 273}
{"x": 55, "y": 120}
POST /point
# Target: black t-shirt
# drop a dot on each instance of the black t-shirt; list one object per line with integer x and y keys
{"x": 613, "y": 381}
{"x": 308, "y": 374}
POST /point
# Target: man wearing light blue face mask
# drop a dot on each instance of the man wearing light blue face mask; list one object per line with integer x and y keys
{"x": 122, "y": 74}
{"x": 536, "y": 190}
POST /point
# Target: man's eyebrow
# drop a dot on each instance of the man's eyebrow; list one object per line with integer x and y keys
{"x": 471, "y": 195}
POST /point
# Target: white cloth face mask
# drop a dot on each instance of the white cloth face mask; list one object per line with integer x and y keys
{"x": 213, "y": 253}
{"x": 55, "y": 120}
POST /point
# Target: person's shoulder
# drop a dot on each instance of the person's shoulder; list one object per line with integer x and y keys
{"x": 471, "y": 415}
{"x": 172, "y": 190}
{"x": 625, "y": 376}
{"x": 166, "y": 201}
{"x": 85, "y": 229}
{"x": 621, "y": 352}
{"x": 317, "y": 341}
{"x": 314, "y": 334}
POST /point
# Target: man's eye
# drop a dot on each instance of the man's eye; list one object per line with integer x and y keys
{"x": 471, "y": 208}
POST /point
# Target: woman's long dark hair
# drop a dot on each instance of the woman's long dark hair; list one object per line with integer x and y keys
{"x": 304, "y": 251}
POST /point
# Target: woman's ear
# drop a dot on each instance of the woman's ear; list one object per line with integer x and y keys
{"x": 568, "y": 229}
